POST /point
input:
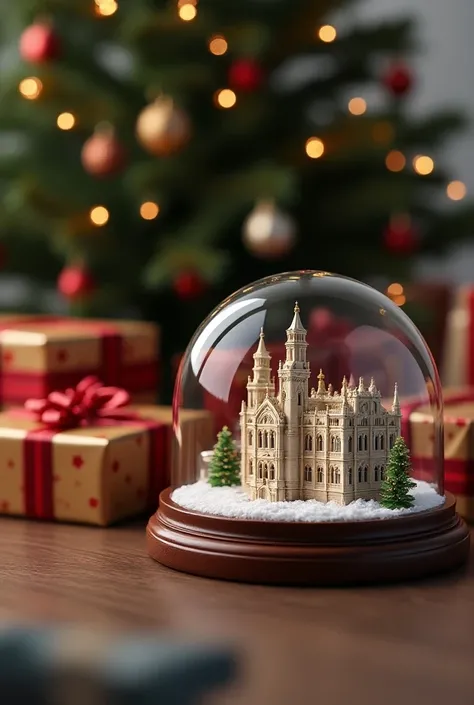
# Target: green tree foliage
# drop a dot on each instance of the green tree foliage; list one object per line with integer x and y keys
{"x": 224, "y": 468}
{"x": 395, "y": 492}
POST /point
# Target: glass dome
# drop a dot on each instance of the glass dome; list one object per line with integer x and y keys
{"x": 316, "y": 375}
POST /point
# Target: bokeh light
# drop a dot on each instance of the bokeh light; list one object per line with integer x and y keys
{"x": 357, "y": 106}
{"x": 99, "y": 215}
{"x": 327, "y": 33}
{"x": 395, "y": 160}
{"x": 66, "y": 121}
{"x": 30, "y": 88}
{"x": 456, "y": 190}
{"x": 314, "y": 147}
{"x": 423, "y": 165}
{"x": 149, "y": 210}
{"x": 225, "y": 98}
{"x": 218, "y": 45}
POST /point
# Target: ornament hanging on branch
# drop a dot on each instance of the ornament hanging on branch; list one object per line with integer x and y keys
{"x": 163, "y": 128}
{"x": 269, "y": 232}
{"x": 75, "y": 282}
{"x": 103, "y": 154}
{"x": 39, "y": 43}
{"x": 398, "y": 79}
{"x": 245, "y": 75}
{"x": 401, "y": 236}
{"x": 189, "y": 285}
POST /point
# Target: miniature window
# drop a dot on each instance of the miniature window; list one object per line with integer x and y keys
{"x": 366, "y": 470}
{"x": 349, "y": 444}
{"x": 382, "y": 442}
{"x": 272, "y": 472}
{"x": 349, "y": 476}
{"x": 382, "y": 473}
{"x": 331, "y": 474}
{"x": 376, "y": 473}
{"x": 392, "y": 440}
{"x": 308, "y": 442}
{"x": 365, "y": 442}
{"x": 359, "y": 474}
{"x": 260, "y": 471}
{"x": 334, "y": 422}
{"x": 360, "y": 443}
{"x": 376, "y": 442}
{"x": 250, "y": 467}
{"x": 250, "y": 438}
{"x": 308, "y": 473}
{"x": 364, "y": 422}
{"x": 272, "y": 439}
{"x": 265, "y": 471}
{"x": 319, "y": 442}
{"x": 260, "y": 439}
{"x": 335, "y": 444}
{"x": 337, "y": 475}
{"x": 299, "y": 399}
{"x": 320, "y": 474}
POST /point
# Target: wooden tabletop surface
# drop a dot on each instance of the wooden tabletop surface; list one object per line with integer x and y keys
{"x": 394, "y": 645}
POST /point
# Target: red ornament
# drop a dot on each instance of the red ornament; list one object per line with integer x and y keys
{"x": 39, "y": 43}
{"x": 75, "y": 282}
{"x": 102, "y": 154}
{"x": 245, "y": 75}
{"x": 189, "y": 285}
{"x": 400, "y": 236}
{"x": 398, "y": 79}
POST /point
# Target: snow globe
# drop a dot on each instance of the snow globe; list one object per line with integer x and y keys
{"x": 316, "y": 476}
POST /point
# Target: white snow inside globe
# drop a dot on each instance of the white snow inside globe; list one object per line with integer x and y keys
{"x": 310, "y": 379}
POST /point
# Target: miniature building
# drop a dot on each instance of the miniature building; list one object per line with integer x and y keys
{"x": 324, "y": 445}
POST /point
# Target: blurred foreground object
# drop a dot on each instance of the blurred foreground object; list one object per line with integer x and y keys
{"x": 139, "y": 140}
{"x": 41, "y": 666}
{"x": 458, "y": 361}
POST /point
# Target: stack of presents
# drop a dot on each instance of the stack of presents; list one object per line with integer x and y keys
{"x": 110, "y": 461}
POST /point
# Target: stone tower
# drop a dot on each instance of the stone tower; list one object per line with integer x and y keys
{"x": 261, "y": 384}
{"x": 293, "y": 376}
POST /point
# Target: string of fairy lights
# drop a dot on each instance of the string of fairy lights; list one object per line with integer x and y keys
{"x": 31, "y": 88}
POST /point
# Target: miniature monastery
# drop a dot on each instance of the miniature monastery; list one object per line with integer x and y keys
{"x": 324, "y": 445}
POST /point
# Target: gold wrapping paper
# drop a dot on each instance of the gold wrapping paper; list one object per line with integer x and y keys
{"x": 100, "y": 474}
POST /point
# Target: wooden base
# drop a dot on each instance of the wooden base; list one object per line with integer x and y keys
{"x": 297, "y": 553}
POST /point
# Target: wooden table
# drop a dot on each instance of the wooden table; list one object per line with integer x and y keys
{"x": 374, "y": 646}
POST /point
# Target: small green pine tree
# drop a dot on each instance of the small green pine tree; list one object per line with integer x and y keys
{"x": 224, "y": 468}
{"x": 395, "y": 492}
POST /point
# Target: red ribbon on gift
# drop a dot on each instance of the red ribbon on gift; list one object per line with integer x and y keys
{"x": 138, "y": 377}
{"x": 90, "y": 403}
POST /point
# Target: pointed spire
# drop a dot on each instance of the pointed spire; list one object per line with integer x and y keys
{"x": 296, "y": 322}
{"x": 361, "y": 384}
{"x": 330, "y": 389}
{"x": 344, "y": 389}
{"x": 261, "y": 350}
{"x": 396, "y": 401}
{"x": 321, "y": 385}
{"x": 372, "y": 387}
{"x": 313, "y": 392}
{"x": 351, "y": 382}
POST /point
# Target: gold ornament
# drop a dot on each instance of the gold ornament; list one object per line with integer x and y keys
{"x": 269, "y": 232}
{"x": 163, "y": 128}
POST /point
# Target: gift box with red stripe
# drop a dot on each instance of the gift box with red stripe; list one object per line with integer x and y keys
{"x": 418, "y": 430}
{"x": 42, "y": 353}
{"x": 92, "y": 459}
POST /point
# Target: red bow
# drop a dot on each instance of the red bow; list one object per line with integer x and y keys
{"x": 88, "y": 401}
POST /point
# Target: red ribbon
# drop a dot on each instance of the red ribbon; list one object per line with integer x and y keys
{"x": 90, "y": 403}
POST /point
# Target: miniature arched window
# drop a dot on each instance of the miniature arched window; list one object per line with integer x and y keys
{"x": 265, "y": 441}
{"x": 337, "y": 474}
{"x": 335, "y": 444}
{"x": 359, "y": 474}
{"x": 376, "y": 473}
{"x": 308, "y": 473}
{"x": 382, "y": 442}
{"x": 272, "y": 471}
{"x": 272, "y": 439}
{"x": 364, "y": 422}
{"x": 376, "y": 442}
{"x": 349, "y": 422}
{"x": 319, "y": 442}
{"x": 265, "y": 470}
{"x": 260, "y": 439}
{"x": 366, "y": 470}
{"x": 392, "y": 440}
{"x": 300, "y": 399}
{"x": 260, "y": 470}
{"x": 320, "y": 474}
{"x": 359, "y": 443}
{"x": 349, "y": 476}
{"x": 331, "y": 474}
{"x": 382, "y": 473}
{"x": 250, "y": 438}
{"x": 365, "y": 442}
{"x": 308, "y": 442}
{"x": 374, "y": 407}
{"x": 250, "y": 467}
{"x": 349, "y": 444}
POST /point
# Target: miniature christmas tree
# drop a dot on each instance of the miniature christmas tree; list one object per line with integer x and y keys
{"x": 224, "y": 468}
{"x": 395, "y": 492}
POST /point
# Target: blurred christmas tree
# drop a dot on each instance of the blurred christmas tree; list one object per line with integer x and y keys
{"x": 155, "y": 152}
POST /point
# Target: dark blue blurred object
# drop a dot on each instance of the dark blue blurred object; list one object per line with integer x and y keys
{"x": 130, "y": 671}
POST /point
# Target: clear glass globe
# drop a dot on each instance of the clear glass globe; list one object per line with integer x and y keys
{"x": 301, "y": 342}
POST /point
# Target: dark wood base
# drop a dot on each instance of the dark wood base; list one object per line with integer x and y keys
{"x": 297, "y": 553}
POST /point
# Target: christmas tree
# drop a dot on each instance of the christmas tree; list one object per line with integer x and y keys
{"x": 395, "y": 492}
{"x": 157, "y": 152}
{"x": 224, "y": 468}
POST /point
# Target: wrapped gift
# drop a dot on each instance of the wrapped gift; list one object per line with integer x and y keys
{"x": 458, "y": 358}
{"x": 42, "y": 353}
{"x": 418, "y": 431}
{"x": 87, "y": 456}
